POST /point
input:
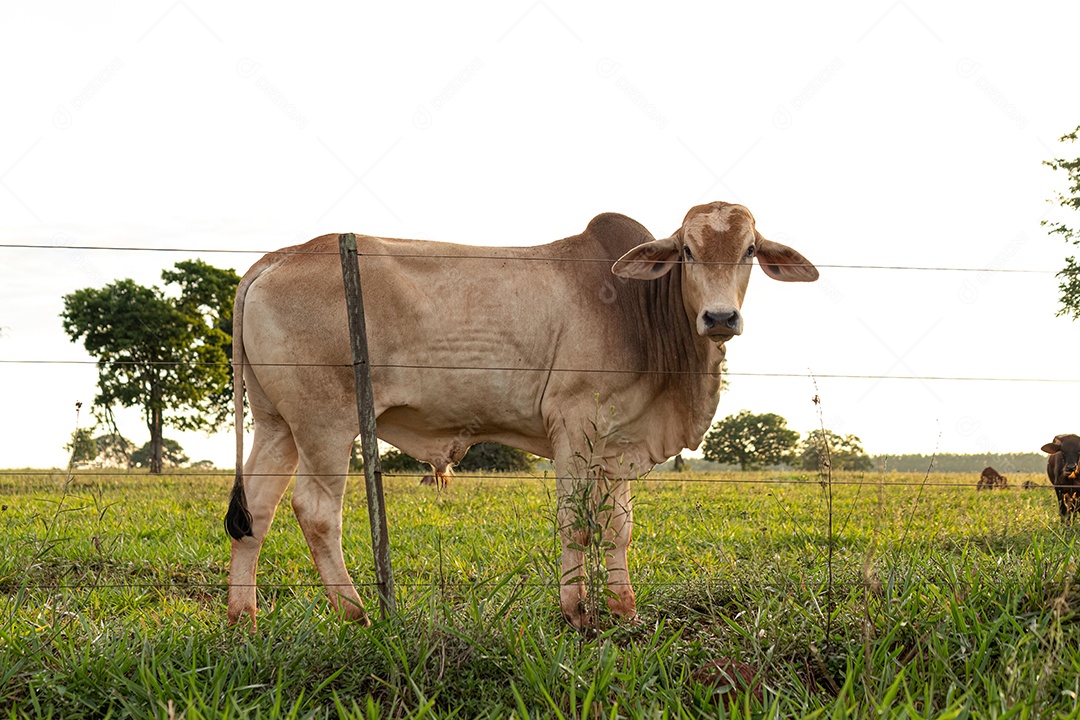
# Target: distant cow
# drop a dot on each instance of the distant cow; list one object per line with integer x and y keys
{"x": 601, "y": 351}
{"x": 436, "y": 480}
{"x": 992, "y": 480}
{"x": 1061, "y": 467}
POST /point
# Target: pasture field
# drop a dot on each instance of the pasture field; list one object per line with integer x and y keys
{"x": 925, "y": 599}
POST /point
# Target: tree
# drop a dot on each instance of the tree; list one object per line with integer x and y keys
{"x": 167, "y": 355}
{"x": 395, "y": 461}
{"x": 113, "y": 450}
{"x": 844, "y": 452}
{"x": 356, "y": 458}
{"x": 496, "y": 457}
{"x": 750, "y": 441}
{"x": 1069, "y": 287}
{"x": 172, "y": 454}
{"x": 82, "y": 449}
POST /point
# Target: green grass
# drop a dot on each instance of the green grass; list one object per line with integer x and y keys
{"x": 931, "y": 601}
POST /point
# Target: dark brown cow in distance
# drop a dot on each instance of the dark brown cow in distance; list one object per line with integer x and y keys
{"x": 1061, "y": 467}
{"x": 991, "y": 479}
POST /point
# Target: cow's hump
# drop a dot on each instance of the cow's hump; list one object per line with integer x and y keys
{"x": 617, "y": 233}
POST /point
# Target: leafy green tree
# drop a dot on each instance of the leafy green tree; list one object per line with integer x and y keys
{"x": 172, "y": 455}
{"x": 844, "y": 452}
{"x": 1069, "y": 287}
{"x": 82, "y": 449}
{"x": 205, "y": 290}
{"x": 168, "y": 355}
{"x": 356, "y": 458}
{"x": 750, "y": 441}
{"x": 395, "y": 461}
{"x": 496, "y": 457}
{"x": 113, "y": 450}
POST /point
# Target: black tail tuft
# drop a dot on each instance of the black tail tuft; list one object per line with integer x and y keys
{"x": 237, "y": 518}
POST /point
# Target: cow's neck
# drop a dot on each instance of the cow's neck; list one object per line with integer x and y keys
{"x": 689, "y": 364}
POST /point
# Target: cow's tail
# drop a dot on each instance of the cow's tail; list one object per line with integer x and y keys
{"x": 238, "y": 517}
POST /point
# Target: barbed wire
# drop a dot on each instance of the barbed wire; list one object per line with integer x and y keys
{"x": 801, "y": 375}
{"x": 526, "y": 258}
{"x": 806, "y": 584}
{"x": 540, "y": 369}
{"x": 552, "y": 477}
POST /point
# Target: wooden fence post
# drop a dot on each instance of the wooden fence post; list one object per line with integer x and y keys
{"x": 365, "y": 404}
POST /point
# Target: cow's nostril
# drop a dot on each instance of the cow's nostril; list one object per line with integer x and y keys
{"x": 730, "y": 320}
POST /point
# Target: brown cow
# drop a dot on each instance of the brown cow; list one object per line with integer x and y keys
{"x": 991, "y": 479}
{"x": 601, "y": 351}
{"x": 1061, "y": 468}
{"x": 438, "y": 480}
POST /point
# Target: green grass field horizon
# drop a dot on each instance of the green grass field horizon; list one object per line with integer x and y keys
{"x": 896, "y": 595}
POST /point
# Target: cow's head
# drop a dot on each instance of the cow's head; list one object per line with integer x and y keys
{"x": 1069, "y": 447}
{"x": 715, "y": 249}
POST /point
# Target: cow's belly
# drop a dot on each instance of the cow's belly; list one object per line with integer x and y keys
{"x": 436, "y": 415}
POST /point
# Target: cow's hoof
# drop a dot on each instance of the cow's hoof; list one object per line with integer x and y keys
{"x": 352, "y": 613}
{"x": 578, "y": 618}
{"x": 234, "y": 620}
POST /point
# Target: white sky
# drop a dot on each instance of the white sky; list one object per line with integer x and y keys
{"x": 873, "y": 133}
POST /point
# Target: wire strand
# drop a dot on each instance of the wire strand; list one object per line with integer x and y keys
{"x": 552, "y": 477}
{"x": 602, "y": 371}
{"x": 526, "y": 258}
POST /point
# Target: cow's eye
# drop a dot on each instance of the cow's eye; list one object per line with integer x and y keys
{"x": 687, "y": 254}
{"x": 750, "y": 251}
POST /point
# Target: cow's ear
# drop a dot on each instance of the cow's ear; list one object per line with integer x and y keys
{"x": 1051, "y": 448}
{"x": 648, "y": 261}
{"x": 783, "y": 263}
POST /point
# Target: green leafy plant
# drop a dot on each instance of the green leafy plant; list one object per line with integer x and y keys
{"x": 750, "y": 441}
{"x": 168, "y": 355}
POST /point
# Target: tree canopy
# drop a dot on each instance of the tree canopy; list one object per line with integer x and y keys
{"x": 168, "y": 355}
{"x": 1069, "y": 287}
{"x": 750, "y": 441}
{"x": 171, "y": 455}
{"x": 844, "y": 452}
{"x": 82, "y": 449}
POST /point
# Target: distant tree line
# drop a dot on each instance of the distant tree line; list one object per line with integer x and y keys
{"x": 113, "y": 450}
{"x": 486, "y": 456}
{"x": 1004, "y": 463}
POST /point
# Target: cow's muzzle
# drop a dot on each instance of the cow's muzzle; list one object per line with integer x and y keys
{"x": 1070, "y": 471}
{"x": 721, "y": 324}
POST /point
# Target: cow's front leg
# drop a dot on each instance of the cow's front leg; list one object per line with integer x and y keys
{"x": 572, "y": 598}
{"x": 618, "y": 524}
{"x": 317, "y": 502}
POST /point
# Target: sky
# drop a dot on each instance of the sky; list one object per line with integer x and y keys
{"x": 867, "y": 135}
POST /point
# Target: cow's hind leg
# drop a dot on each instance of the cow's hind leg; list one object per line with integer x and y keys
{"x": 317, "y": 502}
{"x": 266, "y": 476}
